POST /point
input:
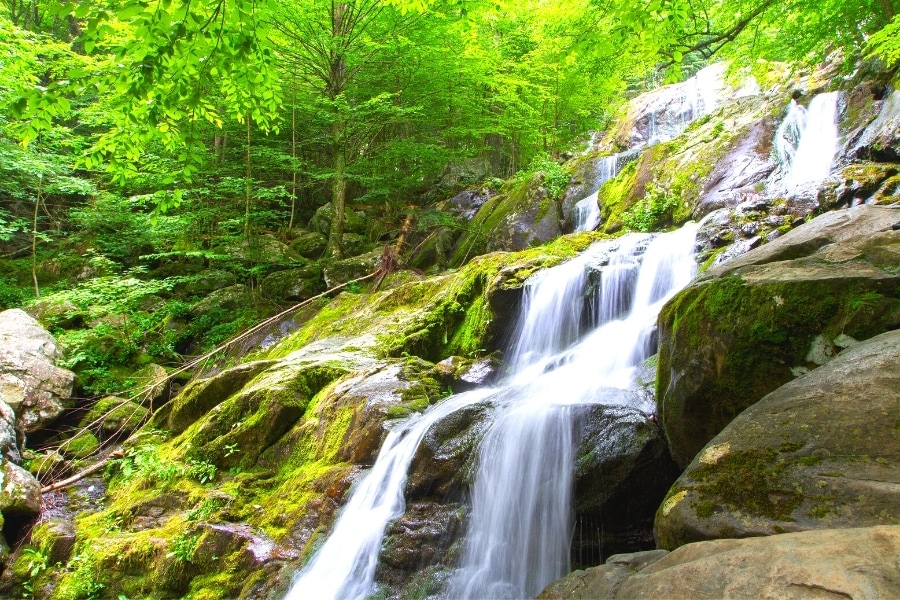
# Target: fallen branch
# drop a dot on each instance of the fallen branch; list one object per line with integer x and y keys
{"x": 79, "y": 476}
{"x": 381, "y": 271}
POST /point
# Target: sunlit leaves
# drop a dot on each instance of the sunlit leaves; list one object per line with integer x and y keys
{"x": 885, "y": 44}
{"x": 165, "y": 65}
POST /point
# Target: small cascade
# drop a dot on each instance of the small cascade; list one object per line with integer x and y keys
{"x": 807, "y": 140}
{"x": 570, "y": 346}
{"x": 521, "y": 523}
{"x": 586, "y": 212}
{"x": 698, "y": 96}
{"x": 345, "y": 565}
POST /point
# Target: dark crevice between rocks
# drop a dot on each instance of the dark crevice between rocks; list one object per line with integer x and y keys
{"x": 17, "y": 527}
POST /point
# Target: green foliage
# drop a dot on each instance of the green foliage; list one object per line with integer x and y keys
{"x": 651, "y": 213}
{"x": 37, "y": 559}
{"x": 556, "y": 178}
{"x": 885, "y": 43}
{"x": 144, "y": 463}
{"x": 184, "y": 546}
{"x": 83, "y": 581}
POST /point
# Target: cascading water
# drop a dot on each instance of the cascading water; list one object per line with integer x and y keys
{"x": 698, "y": 96}
{"x": 807, "y": 140}
{"x": 520, "y": 527}
{"x": 345, "y": 565}
{"x": 521, "y": 520}
{"x": 586, "y": 213}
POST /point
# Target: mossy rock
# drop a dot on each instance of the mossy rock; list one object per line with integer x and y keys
{"x": 201, "y": 395}
{"x": 354, "y": 222}
{"x": 151, "y": 382}
{"x": 203, "y": 282}
{"x": 114, "y": 416}
{"x": 749, "y": 326}
{"x": 294, "y": 284}
{"x": 523, "y": 217}
{"x": 337, "y": 272}
{"x": 820, "y": 452}
{"x": 82, "y": 445}
{"x": 309, "y": 244}
{"x": 262, "y": 249}
{"x": 229, "y": 298}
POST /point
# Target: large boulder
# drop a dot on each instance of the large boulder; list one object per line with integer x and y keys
{"x": 522, "y": 217}
{"x": 30, "y": 383}
{"x": 880, "y": 139}
{"x": 262, "y": 249}
{"x": 309, "y": 244}
{"x": 821, "y": 451}
{"x": 840, "y": 563}
{"x": 294, "y": 284}
{"x": 354, "y": 222}
{"x": 754, "y": 323}
{"x": 622, "y": 473}
{"x": 665, "y": 112}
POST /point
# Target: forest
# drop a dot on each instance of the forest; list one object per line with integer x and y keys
{"x": 194, "y": 193}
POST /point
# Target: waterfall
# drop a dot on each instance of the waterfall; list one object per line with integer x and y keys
{"x": 569, "y": 347}
{"x": 807, "y": 140}
{"x": 586, "y": 213}
{"x": 344, "y": 567}
{"x": 521, "y": 520}
{"x": 696, "y": 96}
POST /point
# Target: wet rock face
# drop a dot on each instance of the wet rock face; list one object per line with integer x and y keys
{"x": 523, "y": 217}
{"x": 30, "y": 383}
{"x": 622, "y": 473}
{"x": 744, "y": 328}
{"x": 880, "y": 139}
{"x": 420, "y": 540}
{"x": 446, "y": 458}
{"x": 466, "y": 203}
{"x": 821, "y": 451}
{"x": 841, "y": 563}
{"x": 739, "y": 176}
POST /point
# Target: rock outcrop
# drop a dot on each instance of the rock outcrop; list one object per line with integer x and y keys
{"x": 821, "y": 451}
{"x": 30, "y": 383}
{"x": 841, "y": 563}
{"x": 743, "y": 329}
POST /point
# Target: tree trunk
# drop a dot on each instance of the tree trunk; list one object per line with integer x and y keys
{"x": 338, "y": 190}
{"x": 247, "y": 175}
{"x": 293, "y": 154}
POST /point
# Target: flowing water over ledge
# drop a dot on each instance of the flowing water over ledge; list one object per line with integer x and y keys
{"x": 570, "y": 346}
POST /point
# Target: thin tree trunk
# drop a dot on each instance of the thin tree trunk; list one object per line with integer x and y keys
{"x": 247, "y": 186}
{"x": 34, "y": 228}
{"x": 293, "y": 154}
{"x": 338, "y": 191}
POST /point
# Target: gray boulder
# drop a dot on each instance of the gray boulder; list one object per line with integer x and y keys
{"x": 294, "y": 284}
{"x": 821, "y": 451}
{"x": 30, "y": 383}
{"x": 309, "y": 244}
{"x": 840, "y": 563}
{"x": 745, "y": 328}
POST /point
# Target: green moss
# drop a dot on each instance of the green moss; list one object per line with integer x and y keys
{"x": 616, "y": 196}
{"x": 115, "y": 415}
{"x": 82, "y": 445}
{"x": 704, "y": 508}
{"x": 748, "y": 481}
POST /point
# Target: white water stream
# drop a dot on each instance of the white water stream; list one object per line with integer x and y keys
{"x": 807, "y": 140}
{"x": 521, "y": 523}
{"x": 568, "y": 349}
{"x": 344, "y": 567}
{"x": 586, "y": 213}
